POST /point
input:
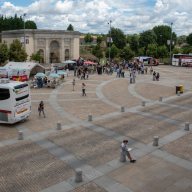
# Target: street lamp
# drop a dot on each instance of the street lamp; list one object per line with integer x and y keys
{"x": 160, "y": 43}
{"x": 24, "y": 30}
{"x": 110, "y": 42}
{"x": 171, "y": 42}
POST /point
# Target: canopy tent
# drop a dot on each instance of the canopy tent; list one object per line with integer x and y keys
{"x": 28, "y": 68}
{"x": 68, "y": 61}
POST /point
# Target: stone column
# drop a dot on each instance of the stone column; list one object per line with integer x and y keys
{"x": 47, "y": 51}
{"x": 71, "y": 49}
{"x": 35, "y": 45}
{"x": 62, "y": 50}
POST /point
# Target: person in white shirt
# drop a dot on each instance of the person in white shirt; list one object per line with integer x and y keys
{"x": 126, "y": 152}
{"x": 67, "y": 72}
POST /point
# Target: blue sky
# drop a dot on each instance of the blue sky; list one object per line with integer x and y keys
{"x": 132, "y": 16}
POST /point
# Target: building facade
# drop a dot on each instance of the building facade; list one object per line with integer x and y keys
{"x": 55, "y": 45}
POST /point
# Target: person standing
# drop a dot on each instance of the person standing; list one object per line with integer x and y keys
{"x": 67, "y": 72}
{"x": 118, "y": 72}
{"x": 41, "y": 109}
{"x": 83, "y": 89}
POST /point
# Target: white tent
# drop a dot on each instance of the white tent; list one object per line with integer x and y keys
{"x": 28, "y": 68}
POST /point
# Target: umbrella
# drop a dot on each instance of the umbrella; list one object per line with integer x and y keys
{"x": 89, "y": 62}
{"x": 40, "y": 75}
{"x": 68, "y": 61}
{"x": 18, "y": 69}
{"x": 54, "y": 75}
{"x": 62, "y": 73}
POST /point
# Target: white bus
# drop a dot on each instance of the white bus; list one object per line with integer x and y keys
{"x": 15, "y": 101}
{"x": 182, "y": 60}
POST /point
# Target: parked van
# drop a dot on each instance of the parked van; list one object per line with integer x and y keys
{"x": 5, "y": 72}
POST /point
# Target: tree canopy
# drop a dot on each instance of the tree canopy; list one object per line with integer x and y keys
{"x": 126, "y": 53}
{"x": 97, "y": 51}
{"x": 182, "y": 39}
{"x": 146, "y": 38}
{"x": 16, "y": 52}
{"x": 119, "y": 39}
{"x": 113, "y": 52}
{"x": 99, "y": 39}
{"x": 3, "y": 53}
{"x": 162, "y": 51}
{"x": 88, "y": 38}
{"x": 36, "y": 56}
{"x": 189, "y": 39}
{"x": 152, "y": 50}
{"x": 70, "y": 27}
{"x": 134, "y": 43}
{"x": 12, "y": 23}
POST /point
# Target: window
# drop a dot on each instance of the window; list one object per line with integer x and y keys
{"x": 21, "y": 98}
{"x": 21, "y": 86}
{"x": 4, "y": 94}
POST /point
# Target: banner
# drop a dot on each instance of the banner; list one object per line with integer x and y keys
{"x": 103, "y": 62}
{"x": 26, "y": 40}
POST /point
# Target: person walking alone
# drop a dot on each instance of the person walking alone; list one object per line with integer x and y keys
{"x": 41, "y": 108}
{"x": 83, "y": 89}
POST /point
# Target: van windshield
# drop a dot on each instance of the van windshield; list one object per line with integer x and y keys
{"x": 4, "y": 94}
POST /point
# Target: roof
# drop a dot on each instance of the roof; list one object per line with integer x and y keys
{"x": 23, "y": 65}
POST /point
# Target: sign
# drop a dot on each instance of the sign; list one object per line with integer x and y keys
{"x": 168, "y": 42}
{"x": 26, "y": 40}
{"x": 108, "y": 39}
{"x": 21, "y": 78}
{"x": 103, "y": 62}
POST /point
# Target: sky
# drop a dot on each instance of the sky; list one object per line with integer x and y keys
{"x": 93, "y": 16}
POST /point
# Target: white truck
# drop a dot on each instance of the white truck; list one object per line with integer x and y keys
{"x": 5, "y": 72}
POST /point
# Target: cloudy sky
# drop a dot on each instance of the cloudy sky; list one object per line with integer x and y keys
{"x": 132, "y": 16}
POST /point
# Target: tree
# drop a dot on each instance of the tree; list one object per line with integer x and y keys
{"x": 146, "y": 38}
{"x": 162, "y": 51}
{"x": 88, "y": 38}
{"x": 30, "y": 25}
{"x": 126, "y": 53}
{"x": 113, "y": 52}
{"x": 36, "y": 57}
{"x": 134, "y": 43}
{"x": 70, "y": 28}
{"x": 163, "y": 33}
{"x": 118, "y": 37}
{"x": 141, "y": 51}
{"x": 175, "y": 51}
{"x": 189, "y": 39}
{"x": 152, "y": 50}
{"x": 187, "y": 49}
{"x": 4, "y": 53}
{"x": 16, "y": 52}
{"x": 128, "y": 39}
{"x": 99, "y": 39}
{"x": 181, "y": 39}
{"x": 97, "y": 51}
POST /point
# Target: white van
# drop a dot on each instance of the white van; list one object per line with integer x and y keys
{"x": 5, "y": 72}
{"x": 15, "y": 101}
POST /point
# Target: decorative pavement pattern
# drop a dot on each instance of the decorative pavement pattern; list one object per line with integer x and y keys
{"x": 47, "y": 158}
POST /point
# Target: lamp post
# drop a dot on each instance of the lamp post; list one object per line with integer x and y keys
{"x": 24, "y": 30}
{"x": 171, "y": 42}
{"x": 160, "y": 43}
{"x": 110, "y": 42}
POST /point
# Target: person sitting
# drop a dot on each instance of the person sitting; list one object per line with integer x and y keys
{"x": 45, "y": 81}
{"x": 157, "y": 77}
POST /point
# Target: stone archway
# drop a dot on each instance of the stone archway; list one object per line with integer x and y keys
{"x": 54, "y": 52}
{"x": 66, "y": 54}
{"x": 42, "y": 55}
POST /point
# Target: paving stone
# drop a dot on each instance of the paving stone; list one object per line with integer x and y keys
{"x": 183, "y": 183}
{"x": 105, "y": 168}
{"x": 104, "y": 181}
{"x": 118, "y": 187}
{"x": 92, "y": 174}
{"x": 62, "y": 187}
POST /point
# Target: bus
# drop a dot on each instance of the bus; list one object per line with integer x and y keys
{"x": 15, "y": 101}
{"x": 182, "y": 60}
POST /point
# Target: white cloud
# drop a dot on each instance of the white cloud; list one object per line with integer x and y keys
{"x": 93, "y": 15}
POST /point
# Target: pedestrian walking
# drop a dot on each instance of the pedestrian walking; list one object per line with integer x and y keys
{"x": 126, "y": 152}
{"x": 83, "y": 89}
{"x": 41, "y": 109}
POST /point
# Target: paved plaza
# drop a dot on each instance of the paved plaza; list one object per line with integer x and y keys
{"x": 46, "y": 160}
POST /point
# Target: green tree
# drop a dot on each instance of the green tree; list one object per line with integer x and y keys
{"x": 128, "y": 39}
{"x": 181, "y": 39}
{"x": 30, "y": 25}
{"x": 88, "y": 38}
{"x": 99, "y": 39}
{"x": 4, "y": 53}
{"x": 119, "y": 39}
{"x": 175, "y": 51}
{"x": 186, "y": 49}
{"x": 189, "y": 39}
{"x": 162, "y": 51}
{"x": 36, "y": 56}
{"x": 113, "y": 52}
{"x": 126, "y": 53}
{"x": 152, "y": 50}
{"x": 16, "y": 52}
{"x": 141, "y": 51}
{"x": 97, "y": 51}
{"x": 146, "y": 38}
{"x": 163, "y": 33}
{"x": 70, "y": 27}
{"x": 134, "y": 43}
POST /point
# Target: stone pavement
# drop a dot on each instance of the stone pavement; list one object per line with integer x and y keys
{"x": 47, "y": 158}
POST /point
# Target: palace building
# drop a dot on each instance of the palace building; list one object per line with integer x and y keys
{"x": 55, "y": 45}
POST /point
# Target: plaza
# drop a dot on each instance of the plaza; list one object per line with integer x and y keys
{"x": 47, "y": 158}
